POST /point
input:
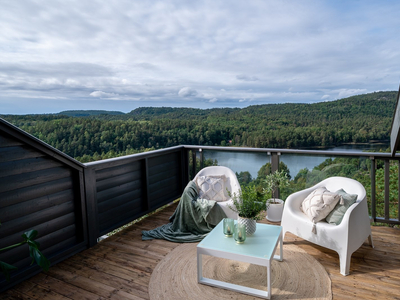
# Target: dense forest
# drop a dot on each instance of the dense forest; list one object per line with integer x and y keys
{"x": 94, "y": 135}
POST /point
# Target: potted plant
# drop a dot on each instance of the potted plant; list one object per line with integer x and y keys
{"x": 273, "y": 182}
{"x": 249, "y": 204}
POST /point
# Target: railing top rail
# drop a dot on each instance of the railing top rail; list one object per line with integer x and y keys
{"x": 132, "y": 157}
{"x": 295, "y": 151}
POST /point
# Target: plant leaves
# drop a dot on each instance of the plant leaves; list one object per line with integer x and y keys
{"x": 6, "y": 269}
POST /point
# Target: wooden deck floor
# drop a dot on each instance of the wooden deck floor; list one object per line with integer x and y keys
{"x": 120, "y": 267}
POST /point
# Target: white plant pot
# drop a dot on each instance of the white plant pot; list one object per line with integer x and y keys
{"x": 275, "y": 210}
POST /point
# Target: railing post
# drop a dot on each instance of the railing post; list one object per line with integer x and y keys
{"x": 387, "y": 178}
{"x": 91, "y": 206}
{"x": 373, "y": 189}
{"x": 145, "y": 184}
{"x": 185, "y": 167}
{"x": 194, "y": 162}
{"x": 201, "y": 159}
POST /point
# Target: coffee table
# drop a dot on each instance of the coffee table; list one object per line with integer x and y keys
{"x": 258, "y": 249}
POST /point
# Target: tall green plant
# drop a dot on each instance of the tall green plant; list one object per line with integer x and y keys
{"x": 34, "y": 252}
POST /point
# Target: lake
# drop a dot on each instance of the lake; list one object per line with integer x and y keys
{"x": 252, "y": 162}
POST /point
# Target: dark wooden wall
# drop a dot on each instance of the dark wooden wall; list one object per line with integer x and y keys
{"x": 38, "y": 191}
{"x": 122, "y": 189}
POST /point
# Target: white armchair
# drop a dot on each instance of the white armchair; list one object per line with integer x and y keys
{"x": 231, "y": 184}
{"x": 344, "y": 238}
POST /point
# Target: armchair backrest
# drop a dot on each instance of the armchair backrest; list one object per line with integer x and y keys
{"x": 351, "y": 186}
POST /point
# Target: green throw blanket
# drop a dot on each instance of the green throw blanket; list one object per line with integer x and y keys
{"x": 192, "y": 220}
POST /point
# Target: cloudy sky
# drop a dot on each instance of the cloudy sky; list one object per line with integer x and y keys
{"x": 120, "y": 55}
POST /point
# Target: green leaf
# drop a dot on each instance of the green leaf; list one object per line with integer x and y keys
{"x": 6, "y": 269}
{"x": 40, "y": 259}
{"x": 29, "y": 235}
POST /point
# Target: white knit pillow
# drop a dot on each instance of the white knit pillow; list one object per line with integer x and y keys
{"x": 212, "y": 187}
{"x": 319, "y": 203}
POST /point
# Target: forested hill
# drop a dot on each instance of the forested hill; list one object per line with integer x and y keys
{"x": 368, "y": 104}
{"x": 359, "y": 118}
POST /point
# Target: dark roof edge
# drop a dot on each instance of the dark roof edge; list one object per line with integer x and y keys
{"x": 395, "y": 129}
{"x": 39, "y": 144}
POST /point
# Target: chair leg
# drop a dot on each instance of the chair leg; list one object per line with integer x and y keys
{"x": 345, "y": 259}
{"x": 370, "y": 241}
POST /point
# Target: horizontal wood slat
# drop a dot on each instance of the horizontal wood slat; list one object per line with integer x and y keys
{"x": 117, "y": 211}
{"x": 18, "y": 153}
{"x": 160, "y": 161}
{"x": 167, "y": 184}
{"x": 167, "y": 173}
{"x": 35, "y": 191}
{"x": 106, "y": 206}
{"x": 117, "y": 180}
{"x": 118, "y": 170}
{"x": 28, "y": 207}
{"x": 27, "y": 165}
{"x": 8, "y": 141}
{"x": 116, "y": 191}
{"x": 35, "y": 219}
{"x": 19, "y": 181}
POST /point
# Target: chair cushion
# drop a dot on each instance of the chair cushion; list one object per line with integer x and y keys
{"x": 336, "y": 215}
{"x": 319, "y": 203}
{"x": 212, "y": 187}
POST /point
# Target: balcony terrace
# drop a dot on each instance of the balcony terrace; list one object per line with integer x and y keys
{"x": 73, "y": 204}
{"x": 120, "y": 267}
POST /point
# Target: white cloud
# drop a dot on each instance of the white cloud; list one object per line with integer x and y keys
{"x": 187, "y": 92}
{"x": 343, "y": 93}
{"x": 146, "y": 52}
{"x": 213, "y": 100}
{"x": 100, "y": 94}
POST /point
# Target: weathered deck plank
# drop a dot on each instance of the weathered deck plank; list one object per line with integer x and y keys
{"x": 120, "y": 267}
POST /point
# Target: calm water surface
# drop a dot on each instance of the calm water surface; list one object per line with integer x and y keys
{"x": 252, "y": 162}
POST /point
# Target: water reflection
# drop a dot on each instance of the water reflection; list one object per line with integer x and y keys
{"x": 239, "y": 161}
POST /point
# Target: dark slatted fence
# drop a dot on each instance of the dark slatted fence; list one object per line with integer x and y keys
{"x": 70, "y": 204}
{"x": 120, "y": 190}
{"x": 40, "y": 189}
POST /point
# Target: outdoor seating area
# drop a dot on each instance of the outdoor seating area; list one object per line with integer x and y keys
{"x": 121, "y": 267}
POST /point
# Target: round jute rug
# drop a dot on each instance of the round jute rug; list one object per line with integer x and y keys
{"x": 298, "y": 276}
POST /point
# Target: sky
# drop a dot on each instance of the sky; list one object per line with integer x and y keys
{"x": 125, "y": 54}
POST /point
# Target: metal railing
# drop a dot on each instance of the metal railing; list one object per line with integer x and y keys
{"x": 377, "y": 160}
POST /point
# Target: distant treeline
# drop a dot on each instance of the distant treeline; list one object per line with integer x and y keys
{"x": 93, "y": 135}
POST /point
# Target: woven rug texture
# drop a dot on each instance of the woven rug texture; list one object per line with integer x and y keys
{"x": 298, "y": 276}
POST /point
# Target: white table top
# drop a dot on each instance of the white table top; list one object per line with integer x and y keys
{"x": 261, "y": 244}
